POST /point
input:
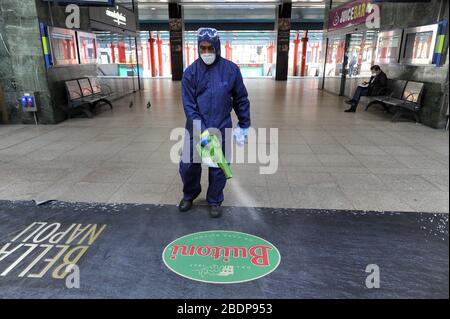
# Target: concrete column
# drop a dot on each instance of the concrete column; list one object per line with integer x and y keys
{"x": 151, "y": 42}
{"x": 283, "y": 28}
{"x": 176, "y": 26}
{"x": 303, "y": 70}
{"x": 160, "y": 62}
{"x": 296, "y": 43}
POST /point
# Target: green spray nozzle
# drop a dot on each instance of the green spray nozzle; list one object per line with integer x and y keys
{"x": 212, "y": 153}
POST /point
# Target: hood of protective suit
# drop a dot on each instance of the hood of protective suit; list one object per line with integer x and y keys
{"x": 210, "y": 35}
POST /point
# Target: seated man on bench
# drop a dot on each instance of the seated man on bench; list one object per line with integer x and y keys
{"x": 376, "y": 86}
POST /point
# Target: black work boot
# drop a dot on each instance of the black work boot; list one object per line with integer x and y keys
{"x": 215, "y": 211}
{"x": 351, "y": 110}
{"x": 350, "y": 102}
{"x": 184, "y": 205}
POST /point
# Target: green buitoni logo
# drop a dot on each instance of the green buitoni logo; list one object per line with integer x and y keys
{"x": 221, "y": 257}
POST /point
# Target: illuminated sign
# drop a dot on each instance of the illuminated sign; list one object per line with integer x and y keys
{"x": 116, "y": 16}
{"x": 350, "y": 14}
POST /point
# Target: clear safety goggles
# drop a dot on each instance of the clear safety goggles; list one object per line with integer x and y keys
{"x": 210, "y": 32}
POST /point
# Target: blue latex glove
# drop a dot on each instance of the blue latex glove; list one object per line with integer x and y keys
{"x": 204, "y": 138}
{"x": 240, "y": 134}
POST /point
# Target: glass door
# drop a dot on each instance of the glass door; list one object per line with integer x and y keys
{"x": 361, "y": 56}
{"x": 334, "y": 64}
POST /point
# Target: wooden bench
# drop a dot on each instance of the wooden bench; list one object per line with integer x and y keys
{"x": 85, "y": 94}
{"x": 403, "y": 99}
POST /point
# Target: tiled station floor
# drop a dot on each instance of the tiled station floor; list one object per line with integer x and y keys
{"x": 328, "y": 159}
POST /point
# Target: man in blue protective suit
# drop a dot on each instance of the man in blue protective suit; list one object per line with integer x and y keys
{"x": 211, "y": 88}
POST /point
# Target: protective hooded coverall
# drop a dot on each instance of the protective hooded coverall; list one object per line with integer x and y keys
{"x": 210, "y": 93}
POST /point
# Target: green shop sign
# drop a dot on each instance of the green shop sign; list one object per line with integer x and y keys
{"x": 221, "y": 257}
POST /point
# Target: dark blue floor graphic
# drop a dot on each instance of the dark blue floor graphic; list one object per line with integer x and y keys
{"x": 118, "y": 250}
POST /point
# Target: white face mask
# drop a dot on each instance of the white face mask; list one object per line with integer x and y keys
{"x": 208, "y": 58}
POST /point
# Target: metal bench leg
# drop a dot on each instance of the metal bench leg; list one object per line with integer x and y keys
{"x": 87, "y": 112}
{"x": 416, "y": 117}
{"x": 107, "y": 102}
{"x": 374, "y": 103}
{"x": 396, "y": 116}
{"x": 103, "y": 101}
{"x": 369, "y": 105}
{"x": 79, "y": 110}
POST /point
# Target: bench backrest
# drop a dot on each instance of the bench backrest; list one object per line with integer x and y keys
{"x": 73, "y": 90}
{"x": 96, "y": 86}
{"x": 397, "y": 87}
{"x": 413, "y": 92}
{"x": 85, "y": 86}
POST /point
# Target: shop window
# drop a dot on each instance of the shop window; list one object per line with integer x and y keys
{"x": 313, "y": 53}
{"x": 116, "y": 54}
{"x": 155, "y": 51}
{"x": 361, "y": 54}
{"x": 335, "y": 57}
{"x": 63, "y": 46}
{"x": 419, "y": 44}
{"x": 87, "y": 47}
{"x": 388, "y": 47}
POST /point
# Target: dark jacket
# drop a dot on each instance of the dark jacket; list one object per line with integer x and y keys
{"x": 378, "y": 84}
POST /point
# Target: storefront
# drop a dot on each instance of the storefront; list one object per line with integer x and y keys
{"x": 407, "y": 47}
{"x": 350, "y": 47}
{"x": 360, "y": 34}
